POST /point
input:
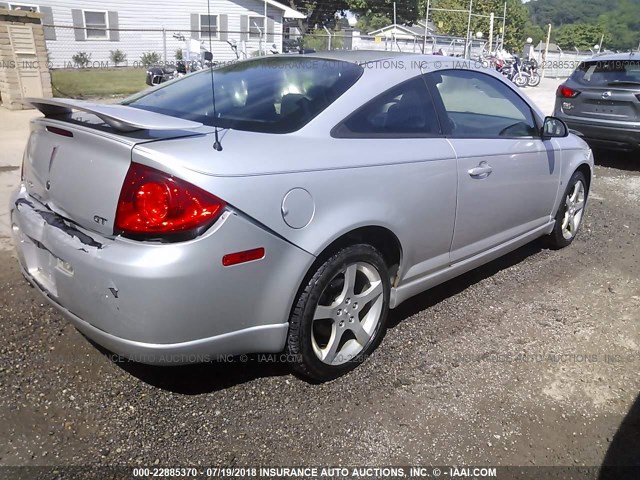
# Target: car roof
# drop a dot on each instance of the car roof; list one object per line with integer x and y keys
{"x": 604, "y": 57}
{"x": 358, "y": 55}
{"x": 365, "y": 56}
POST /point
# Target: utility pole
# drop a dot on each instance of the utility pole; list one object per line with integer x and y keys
{"x": 546, "y": 51}
{"x": 504, "y": 24}
{"x": 467, "y": 46}
{"x": 393, "y": 33}
{"x": 264, "y": 27}
{"x": 164, "y": 46}
{"x": 426, "y": 27}
{"x": 491, "y": 19}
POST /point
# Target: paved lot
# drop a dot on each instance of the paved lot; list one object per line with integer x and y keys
{"x": 13, "y": 137}
{"x": 531, "y": 360}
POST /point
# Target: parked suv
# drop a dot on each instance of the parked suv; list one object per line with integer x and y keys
{"x": 601, "y": 101}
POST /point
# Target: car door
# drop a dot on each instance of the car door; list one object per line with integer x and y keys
{"x": 399, "y": 130}
{"x": 507, "y": 175}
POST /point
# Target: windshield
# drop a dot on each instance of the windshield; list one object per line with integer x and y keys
{"x": 274, "y": 95}
{"x": 604, "y": 73}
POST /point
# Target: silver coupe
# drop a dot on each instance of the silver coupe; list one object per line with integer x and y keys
{"x": 286, "y": 203}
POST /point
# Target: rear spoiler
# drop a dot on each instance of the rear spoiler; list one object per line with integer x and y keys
{"x": 119, "y": 117}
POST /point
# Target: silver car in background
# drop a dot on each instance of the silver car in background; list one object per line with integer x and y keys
{"x": 292, "y": 209}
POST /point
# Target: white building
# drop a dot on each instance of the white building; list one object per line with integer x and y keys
{"x": 160, "y": 26}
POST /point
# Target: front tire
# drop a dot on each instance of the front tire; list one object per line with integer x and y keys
{"x": 570, "y": 213}
{"x": 341, "y": 315}
{"x": 534, "y": 80}
{"x": 520, "y": 80}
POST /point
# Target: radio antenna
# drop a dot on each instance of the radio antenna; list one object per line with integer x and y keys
{"x": 217, "y": 146}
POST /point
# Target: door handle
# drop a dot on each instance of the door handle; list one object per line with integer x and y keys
{"x": 482, "y": 170}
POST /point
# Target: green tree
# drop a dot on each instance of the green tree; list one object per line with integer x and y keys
{"x": 535, "y": 32}
{"x": 455, "y": 23}
{"x": 579, "y": 35}
{"x": 319, "y": 13}
{"x": 622, "y": 26}
{"x": 564, "y": 12}
{"x": 373, "y": 21}
{"x": 407, "y": 11}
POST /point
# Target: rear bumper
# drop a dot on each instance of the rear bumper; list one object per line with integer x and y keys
{"x": 263, "y": 338}
{"x": 162, "y": 303}
{"x": 603, "y": 136}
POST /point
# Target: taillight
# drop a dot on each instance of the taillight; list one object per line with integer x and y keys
{"x": 566, "y": 92}
{"x": 154, "y": 204}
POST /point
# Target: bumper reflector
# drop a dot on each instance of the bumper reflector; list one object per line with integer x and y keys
{"x": 242, "y": 257}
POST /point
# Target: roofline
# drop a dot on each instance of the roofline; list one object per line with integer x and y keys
{"x": 288, "y": 11}
{"x": 403, "y": 27}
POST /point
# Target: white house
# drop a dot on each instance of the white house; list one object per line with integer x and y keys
{"x": 160, "y": 26}
{"x": 394, "y": 36}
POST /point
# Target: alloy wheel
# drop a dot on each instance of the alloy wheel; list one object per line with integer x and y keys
{"x": 348, "y": 313}
{"x": 574, "y": 210}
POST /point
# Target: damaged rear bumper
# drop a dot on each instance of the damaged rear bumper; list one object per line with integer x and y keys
{"x": 162, "y": 303}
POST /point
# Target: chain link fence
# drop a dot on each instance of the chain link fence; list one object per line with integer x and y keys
{"x": 73, "y": 47}
{"x": 120, "y": 57}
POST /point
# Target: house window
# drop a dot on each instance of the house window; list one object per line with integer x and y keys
{"x": 209, "y": 26}
{"x": 23, "y": 6}
{"x": 256, "y": 24}
{"x": 96, "y": 24}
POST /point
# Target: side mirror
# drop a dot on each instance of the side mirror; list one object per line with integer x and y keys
{"x": 208, "y": 56}
{"x": 554, "y": 128}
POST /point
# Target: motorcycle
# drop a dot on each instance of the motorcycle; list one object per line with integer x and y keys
{"x": 513, "y": 71}
{"x": 530, "y": 66}
{"x": 158, "y": 74}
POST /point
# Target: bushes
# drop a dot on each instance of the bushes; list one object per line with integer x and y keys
{"x": 118, "y": 57}
{"x": 150, "y": 58}
{"x": 81, "y": 59}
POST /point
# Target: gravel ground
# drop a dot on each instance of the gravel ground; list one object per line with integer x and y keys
{"x": 530, "y": 360}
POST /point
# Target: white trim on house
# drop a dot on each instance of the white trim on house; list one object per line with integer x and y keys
{"x": 107, "y": 33}
{"x": 287, "y": 12}
{"x": 12, "y": 6}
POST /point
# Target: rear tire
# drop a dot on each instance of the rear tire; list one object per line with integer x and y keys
{"x": 534, "y": 80}
{"x": 341, "y": 315}
{"x": 570, "y": 213}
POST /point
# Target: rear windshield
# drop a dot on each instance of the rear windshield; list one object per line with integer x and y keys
{"x": 599, "y": 73}
{"x": 274, "y": 95}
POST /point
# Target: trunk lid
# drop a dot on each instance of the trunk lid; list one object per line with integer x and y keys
{"x": 75, "y": 163}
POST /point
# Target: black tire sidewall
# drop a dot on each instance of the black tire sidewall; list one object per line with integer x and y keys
{"x": 299, "y": 343}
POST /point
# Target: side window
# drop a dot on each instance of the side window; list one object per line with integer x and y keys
{"x": 480, "y": 106}
{"x": 404, "y": 111}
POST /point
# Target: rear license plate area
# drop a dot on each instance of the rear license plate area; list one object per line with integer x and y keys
{"x": 40, "y": 264}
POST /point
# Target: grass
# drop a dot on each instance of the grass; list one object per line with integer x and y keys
{"x": 94, "y": 82}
